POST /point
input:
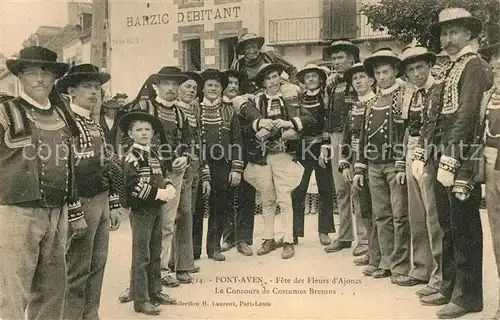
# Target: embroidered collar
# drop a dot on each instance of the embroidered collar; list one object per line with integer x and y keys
{"x": 164, "y": 102}
{"x": 366, "y": 97}
{"x": 32, "y": 101}
{"x": 390, "y": 89}
{"x": 313, "y": 93}
{"x": 82, "y": 112}
{"x": 208, "y": 103}
{"x": 430, "y": 81}
{"x": 464, "y": 51}
{"x": 278, "y": 96}
{"x": 142, "y": 147}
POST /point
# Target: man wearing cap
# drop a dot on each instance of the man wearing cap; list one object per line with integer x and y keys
{"x": 221, "y": 143}
{"x": 121, "y": 98}
{"x": 39, "y": 196}
{"x": 426, "y": 234}
{"x": 382, "y": 160}
{"x": 239, "y": 227}
{"x": 491, "y": 131}
{"x": 86, "y": 257}
{"x": 249, "y": 46}
{"x": 182, "y": 258}
{"x": 448, "y": 136}
{"x": 272, "y": 168}
{"x": 109, "y": 124}
{"x": 362, "y": 83}
{"x": 343, "y": 54}
{"x": 314, "y": 100}
{"x": 162, "y": 89}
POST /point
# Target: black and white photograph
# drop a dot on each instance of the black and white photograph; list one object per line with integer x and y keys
{"x": 249, "y": 159}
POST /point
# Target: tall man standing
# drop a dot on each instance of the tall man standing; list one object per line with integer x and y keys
{"x": 249, "y": 45}
{"x": 86, "y": 256}
{"x": 426, "y": 234}
{"x": 343, "y": 54}
{"x": 39, "y": 194}
{"x": 452, "y": 118}
{"x": 163, "y": 88}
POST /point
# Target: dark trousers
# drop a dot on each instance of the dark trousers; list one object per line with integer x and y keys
{"x": 462, "y": 259}
{"x": 198, "y": 214}
{"x": 146, "y": 226}
{"x": 324, "y": 179}
{"x": 220, "y": 204}
{"x": 239, "y": 225}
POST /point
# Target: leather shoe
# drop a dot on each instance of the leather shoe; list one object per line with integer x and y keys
{"x": 183, "y": 277}
{"x": 434, "y": 300}
{"x": 426, "y": 291}
{"x": 363, "y": 261}
{"x": 146, "y": 308}
{"x": 361, "y": 249}
{"x": 288, "y": 251}
{"x": 170, "y": 282}
{"x": 381, "y": 273}
{"x": 125, "y": 296}
{"x": 337, "y": 245}
{"x": 244, "y": 249}
{"x": 217, "y": 256}
{"x": 451, "y": 311}
{"x": 324, "y": 239}
{"x": 163, "y": 299}
{"x": 267, "y": 246}
{"x": 405, "y": 280}
{"x": 369, "y": 270}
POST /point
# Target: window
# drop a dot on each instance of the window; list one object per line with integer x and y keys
{"x": 86, "y": 21}
{"x": 227, "y": 52}
{"x": 339, "y": 19}
{"x": 192, "y": 54}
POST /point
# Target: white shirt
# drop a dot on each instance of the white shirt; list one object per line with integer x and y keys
{"x": 141, "y": 147}
{"x": 313, "y": 93}
{"x": 109, "y": 121}
{"x": 430, "y": 81}
{"x": 80, "y": 111}
{"x": 367, "y": 96}
{"x": 465, "y": 50}
{"x": 390, "y": 89}
{"x": 34, "y": 103}
{"x": 164, "y": 102}
{"x": 209, "y": 103}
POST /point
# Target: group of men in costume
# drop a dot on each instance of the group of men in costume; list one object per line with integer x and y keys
{"x": 401, "y": 155}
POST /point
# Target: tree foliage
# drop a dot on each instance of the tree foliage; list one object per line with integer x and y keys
{"x": 409, "y": 19}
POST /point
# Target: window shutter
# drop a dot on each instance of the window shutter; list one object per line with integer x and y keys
{"x": 339, "y": 19}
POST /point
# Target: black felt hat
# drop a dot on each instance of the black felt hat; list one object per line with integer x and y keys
{"x": 81, "y": 73}
{"x": 38, "y": 56}
{"x": 139, "y": 115}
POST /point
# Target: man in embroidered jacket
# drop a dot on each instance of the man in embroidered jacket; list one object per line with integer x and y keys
{"x": 491, "y": 130}
{"x": 238, "y": 230}
{"x": 39, "y": 191}
{"x": 362, "y": 82}
{"x": 221, "y": 143}
{"x": 446, "y": 140}
{"x": 271, "y": 168}
{"x": 174, "y": 149}
{"x": 382, "y": 159}
{"x": 343, "y": 54}
{"x": 313, "y": 99}
{"x": 249, "y": 47}
{"x": 86, "y": 257}
{"x": 426, "y": 234}
{"x": 182, "y": 257}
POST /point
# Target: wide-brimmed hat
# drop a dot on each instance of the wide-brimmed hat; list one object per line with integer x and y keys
{"x": 139, "y": 115}
{"x": 246, "y": 38}
{"x": 342, "y": 45}
{"x": 193, "y": 75}
{"x": 458, "y": 16}
{"x": 234, "y": 73}
{"x": 214, "y": 74}
{"x": 265, "y": 69}
{"x": 81, "y": 73}
{"x": 38, "y": 56}
{"x": 168, "y": 73}
{"x": 357, "y": 67}
{"x": 111, "y": 104}
{"x": 413, "y": 54}
{"x": 385, "y": 55}
{"x": 323, "y": 74}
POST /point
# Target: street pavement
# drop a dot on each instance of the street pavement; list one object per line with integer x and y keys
{"x": 311, "y": 285}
